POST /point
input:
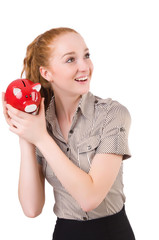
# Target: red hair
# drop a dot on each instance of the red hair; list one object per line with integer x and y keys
{"x": 38, "y": 54}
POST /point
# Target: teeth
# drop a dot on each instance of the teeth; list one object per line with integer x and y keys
{"x": 81, "y": 79}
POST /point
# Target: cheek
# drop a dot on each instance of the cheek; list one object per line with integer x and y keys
{"x": 63, "y": 73}
{"x": 68, "y": 72}
{"x": 63, "y": 78}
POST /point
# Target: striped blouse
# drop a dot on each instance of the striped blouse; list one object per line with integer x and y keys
{"x": 98, "y": 126}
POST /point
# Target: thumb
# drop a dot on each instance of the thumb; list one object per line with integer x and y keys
{"x": 3, "y": 97}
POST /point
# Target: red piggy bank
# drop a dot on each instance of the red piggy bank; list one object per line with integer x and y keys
{"x": 24, "y": 95}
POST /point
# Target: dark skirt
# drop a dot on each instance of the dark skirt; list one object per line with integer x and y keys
{"x": 114, "y": 227}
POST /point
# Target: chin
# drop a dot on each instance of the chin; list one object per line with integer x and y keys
{"x": 83, "y": 92}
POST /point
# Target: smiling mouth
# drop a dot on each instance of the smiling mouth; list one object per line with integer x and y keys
{"x": 83, "y": 79}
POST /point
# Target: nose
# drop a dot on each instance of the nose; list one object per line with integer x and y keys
{"x": 83, "y": 65}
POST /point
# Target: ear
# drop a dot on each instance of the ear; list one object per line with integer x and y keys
{"x": 37, "y": 87}
{"x": 45, "y": 73}
{"x": 16, "y": 91}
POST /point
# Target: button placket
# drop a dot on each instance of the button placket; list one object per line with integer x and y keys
{"x": 85, "y": 218}
{"x": 67, "y": 149}
{"x": 71, "y": 131}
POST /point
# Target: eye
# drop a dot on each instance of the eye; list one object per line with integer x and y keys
{"x": 71, "y": 59}
{"x": 26, "y": 96}
{"x": 30, "y": 95}
{"x": 87, "y": 55}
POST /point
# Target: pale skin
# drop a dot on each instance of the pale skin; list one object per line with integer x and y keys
{"x": 70, "y": 61}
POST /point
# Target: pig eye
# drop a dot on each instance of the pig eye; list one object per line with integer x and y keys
{"x": 26, "y": 96}
{"x": 30, "y": 95}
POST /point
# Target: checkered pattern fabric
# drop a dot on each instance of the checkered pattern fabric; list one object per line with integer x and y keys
{"x": 99, "y": 126}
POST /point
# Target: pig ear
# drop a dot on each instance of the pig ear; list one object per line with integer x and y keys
{"x": 37, "y": 87}
{"x": 16, "y": 91}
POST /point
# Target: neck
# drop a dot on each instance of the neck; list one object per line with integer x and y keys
{"x": 66, "y": 106}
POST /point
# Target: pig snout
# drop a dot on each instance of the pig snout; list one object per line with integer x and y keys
{"x": 30, "y": 108}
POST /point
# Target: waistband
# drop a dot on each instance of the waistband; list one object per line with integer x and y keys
{"x": 110, "y": 218}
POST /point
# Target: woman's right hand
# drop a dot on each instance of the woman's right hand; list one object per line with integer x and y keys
{"x": 22, "y": 141}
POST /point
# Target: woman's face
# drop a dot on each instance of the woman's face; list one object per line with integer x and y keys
{"x": 70, "y": 67}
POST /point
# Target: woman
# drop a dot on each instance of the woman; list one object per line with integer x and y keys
{"x": 80, "y": 142}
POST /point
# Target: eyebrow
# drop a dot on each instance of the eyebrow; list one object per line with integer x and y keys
{"x": 69, "y": 53}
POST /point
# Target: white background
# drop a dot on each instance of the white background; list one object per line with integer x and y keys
{"x": 123, "y": 37}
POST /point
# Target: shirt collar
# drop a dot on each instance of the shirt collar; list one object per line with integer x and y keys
{"x": 86, "y": 104}
{"x": 50, "y": 112}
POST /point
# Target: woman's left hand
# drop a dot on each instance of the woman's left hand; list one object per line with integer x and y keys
{"x": 30, "y": 127}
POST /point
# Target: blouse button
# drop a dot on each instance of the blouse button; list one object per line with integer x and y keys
{"x": 122, "y": 129}
{"x": 89, "y": 147}
{"x": 71, "y": 131}
{"x": 67, "y": 149}
{"x": 84, "y": 218}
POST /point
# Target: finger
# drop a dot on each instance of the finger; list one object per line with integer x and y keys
{"x": 3, "y": 101}
{"x": 17, "y": 112}
{"x": 3, "y": 97}
{"x": 9, "y": 121}
{"x": 5, "y": 113}
{"x": 14, "y": 117}
{"x": 15, "y": 124}
{"x": 5, "y": 108}
{"x": 14, "y": 130}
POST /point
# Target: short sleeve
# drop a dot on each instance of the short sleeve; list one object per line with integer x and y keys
{"x": 115, "y": 130}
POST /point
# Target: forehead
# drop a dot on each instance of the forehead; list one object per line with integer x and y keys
{"x": 69, "y": 42}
